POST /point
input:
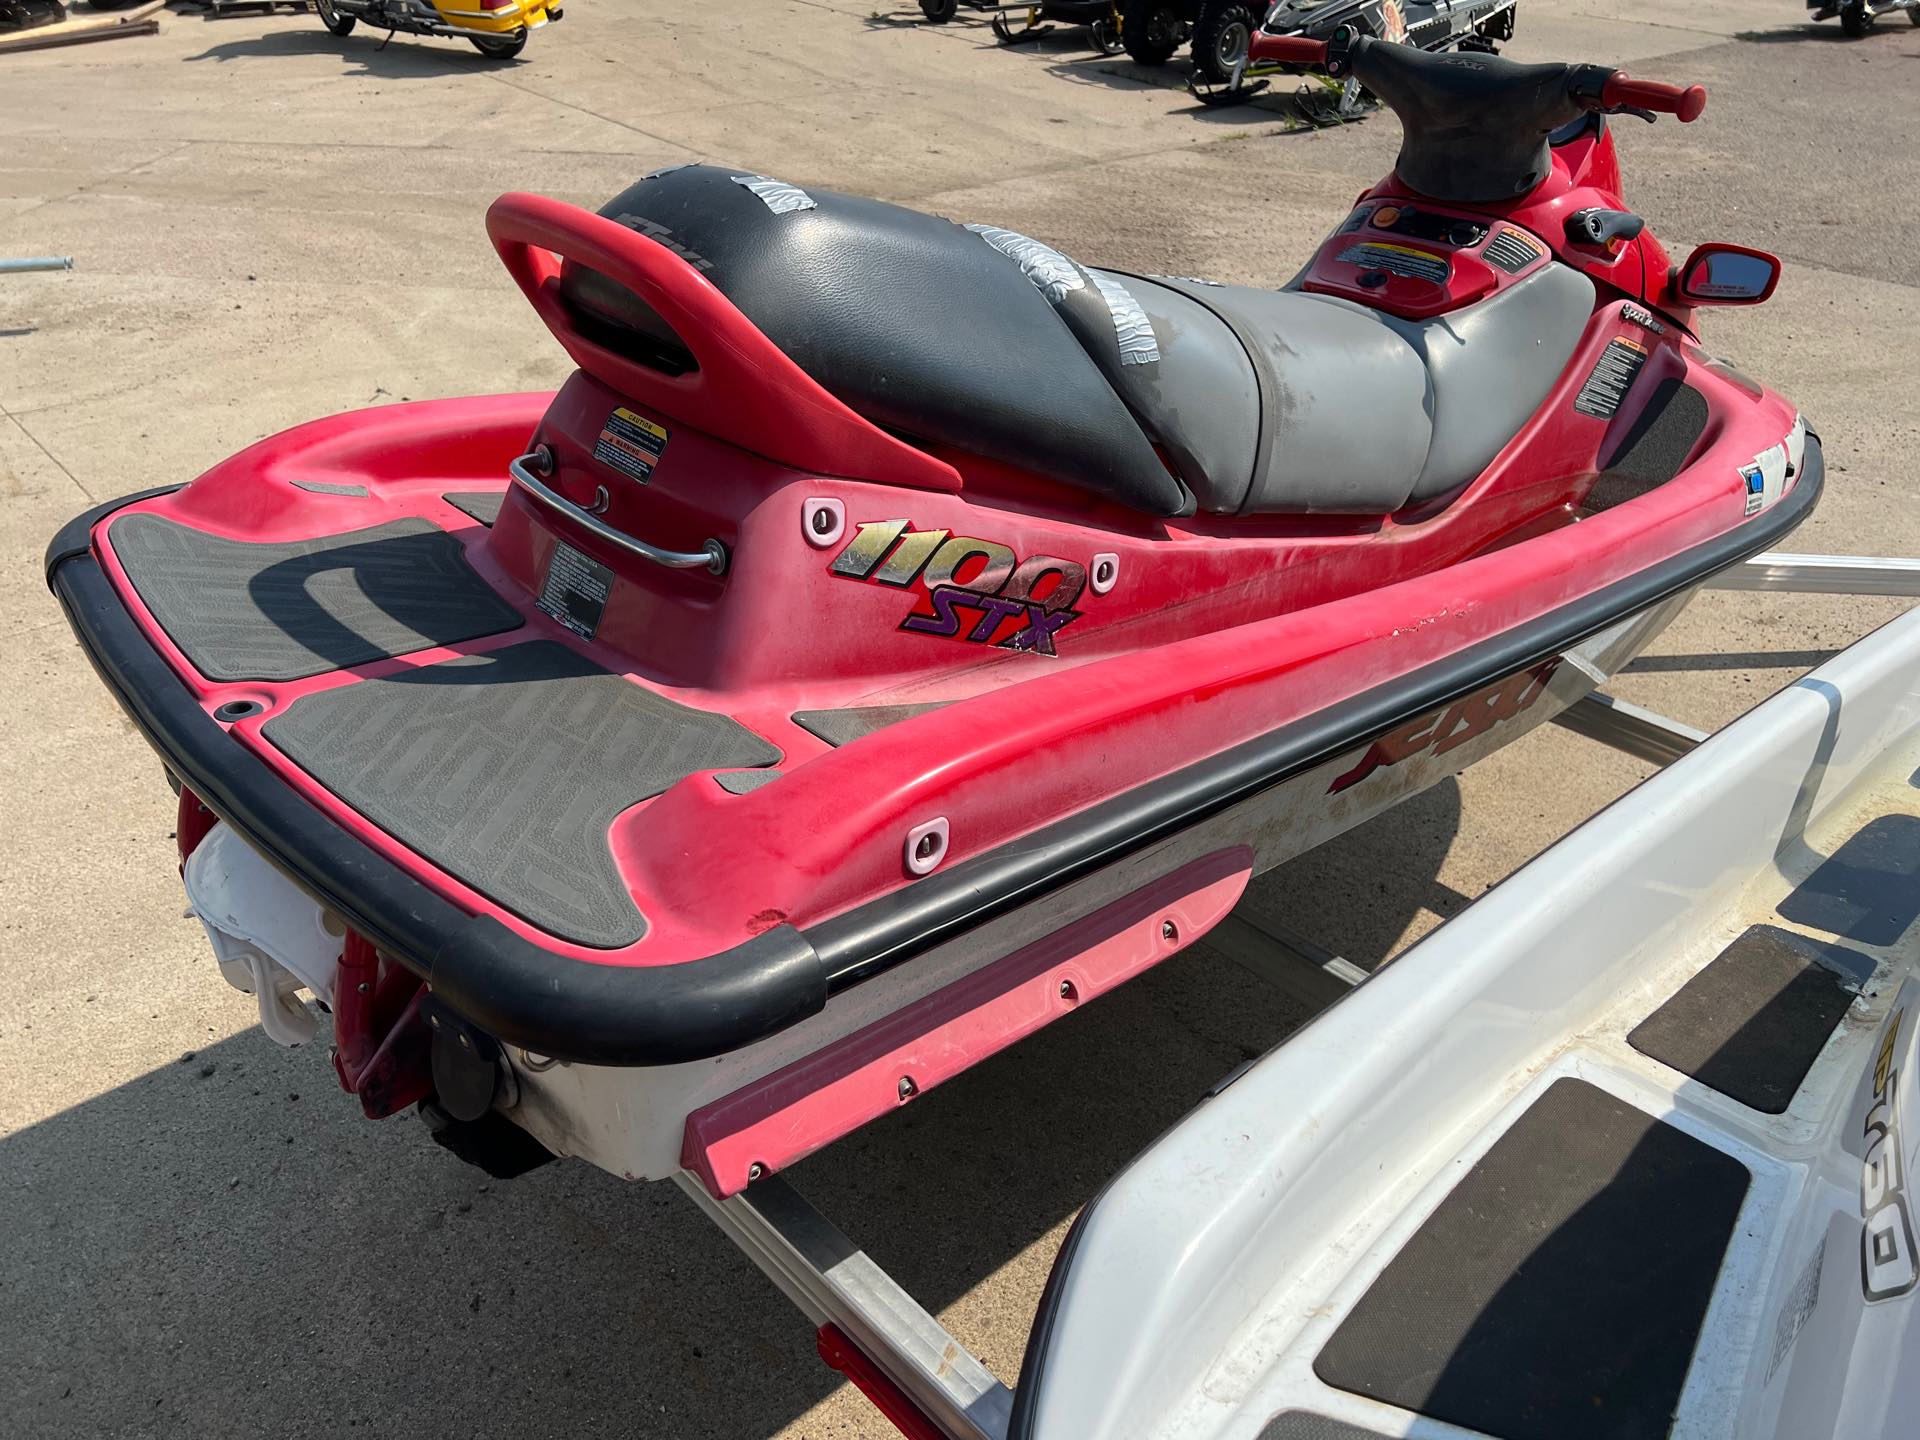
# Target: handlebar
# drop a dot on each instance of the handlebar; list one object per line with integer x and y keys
{"x": 1287, "y": 50}
{"x": 1621, "y": 93}
{"x": 1615, "y": 90}
{"x": 1474, "y": 126}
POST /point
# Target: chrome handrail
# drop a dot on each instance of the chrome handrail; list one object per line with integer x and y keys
{"x": 711, "y": 556}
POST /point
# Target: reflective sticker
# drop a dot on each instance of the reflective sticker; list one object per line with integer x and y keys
{"x": 779, "y": 197}
{"x": 1056, "y": 276}
{"x": 1131, "y": 327}
{"x": 1765, "y": 480}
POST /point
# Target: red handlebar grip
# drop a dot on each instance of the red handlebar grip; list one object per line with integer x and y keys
{"x": 1652, "y": 95}
{"x": 1287, "y": 49}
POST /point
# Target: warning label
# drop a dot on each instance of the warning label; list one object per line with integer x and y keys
{"x": 1399, "y": 260}
{"x": 631, "y": 444}
{"x": 576, "y": 590}
{"x": 1612, "y": 377}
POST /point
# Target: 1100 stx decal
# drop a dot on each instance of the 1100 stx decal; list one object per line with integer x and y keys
{"x": 976, "y": 590}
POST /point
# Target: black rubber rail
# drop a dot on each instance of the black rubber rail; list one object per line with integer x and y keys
{"x": 604, "y": 1014}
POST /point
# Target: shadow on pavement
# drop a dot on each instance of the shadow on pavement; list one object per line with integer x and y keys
{"x": 407, "y": 58}
{"x": 224, "y": 1247}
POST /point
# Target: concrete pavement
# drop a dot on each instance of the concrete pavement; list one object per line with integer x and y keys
{"x": 270, "y": 224}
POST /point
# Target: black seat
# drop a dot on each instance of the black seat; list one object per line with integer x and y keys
{"x": 909, "y": 319}
{"x": 1258, "y": 401}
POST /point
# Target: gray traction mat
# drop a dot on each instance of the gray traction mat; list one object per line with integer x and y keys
{"x": 286, "y": 610}
{"x": 843, "y": 727}
{"x": 1867, "y": 890}
{"x": 1559, "y": 1289}
{"x": 1751, "y": 1024}
{"x": 482, "y": 505}
{"x": 506, "y": 769}
{"x": 1305, "y": 1425}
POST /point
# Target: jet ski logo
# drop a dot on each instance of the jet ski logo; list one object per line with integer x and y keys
{"x": 1439, "y": 731}
{"x": 973, "y": 590}
{"x": 1888, "y": 1266}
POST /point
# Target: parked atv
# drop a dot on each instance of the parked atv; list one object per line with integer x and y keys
{"x": 1857, "y": 16}
{"x": 1152, "y": 30}
{"x": 1223, "y": 28}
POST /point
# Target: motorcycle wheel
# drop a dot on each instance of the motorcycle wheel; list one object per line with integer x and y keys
{"x": 939, "y": 12}
{"x": 503, "y": 47}
{"x": 1151, "y": 30}
{"x": 1855, "y": 19}
{"x": 1220, "y": 39}
{"x": 338, "y": 23}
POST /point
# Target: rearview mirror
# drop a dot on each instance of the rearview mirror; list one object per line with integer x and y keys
{"x": 1728, "y": 275}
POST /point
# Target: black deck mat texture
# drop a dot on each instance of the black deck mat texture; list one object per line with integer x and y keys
{"x": 1305, "y": 1425}
{"x": 506, "y": 770}
{"x": 843, "y": 727}
{"x": 1751, "y": 1024}
{"x": 286, "y": 610}
{"x": 1557, "y": 1292}
{"x": 482, "y": 505}
{"x": 1867, "y": 890}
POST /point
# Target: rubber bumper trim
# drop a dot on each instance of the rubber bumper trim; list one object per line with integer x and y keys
{"x": 507, "y": 985}
{"x": 603, "y": 1014}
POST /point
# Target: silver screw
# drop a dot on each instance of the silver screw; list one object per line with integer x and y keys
{"x": 1168, "y": 931}
{"x": 907, "y": 1088}
{"x": 465, "y": 1043}
{"x": 1067, "y": 991}
{"x": 755, "y": 1171}
{"x": 363, "y": 987}
{"x": 929, "y": 845}
{"x": 822, "y": 521}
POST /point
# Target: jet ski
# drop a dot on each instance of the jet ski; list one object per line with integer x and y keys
{"x": 896, "y": 633}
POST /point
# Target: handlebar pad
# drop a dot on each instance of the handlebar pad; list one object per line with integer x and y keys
{"x": 1287, "y": 50}
{"x": 1686, "y": 103}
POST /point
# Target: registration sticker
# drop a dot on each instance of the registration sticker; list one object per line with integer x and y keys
{"x": 631, "y": 444}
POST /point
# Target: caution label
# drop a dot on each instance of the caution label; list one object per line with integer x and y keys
{"x": 576, "y": 590}
{"x": 1612, "y": 377}
{"x": 1399, "y": 260}
{"x": 631, "y": 444}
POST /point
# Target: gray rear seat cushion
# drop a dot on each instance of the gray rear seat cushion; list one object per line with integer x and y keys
{"x": 1364, "y": 412}
{"x": 1345, "y": 426}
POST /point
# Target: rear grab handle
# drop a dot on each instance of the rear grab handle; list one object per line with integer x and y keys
{"x": 526, "y": 471}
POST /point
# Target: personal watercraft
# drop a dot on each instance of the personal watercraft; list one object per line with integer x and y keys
{"x": 499, "y": 31}
{"x": 896, "y": 633}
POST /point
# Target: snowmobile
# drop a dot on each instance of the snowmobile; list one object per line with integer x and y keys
{"x": 1857, "y": 16}
{"x": 1222, "y": 30}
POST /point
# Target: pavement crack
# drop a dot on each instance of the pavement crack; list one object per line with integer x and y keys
{"x": 38, "y": 445}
